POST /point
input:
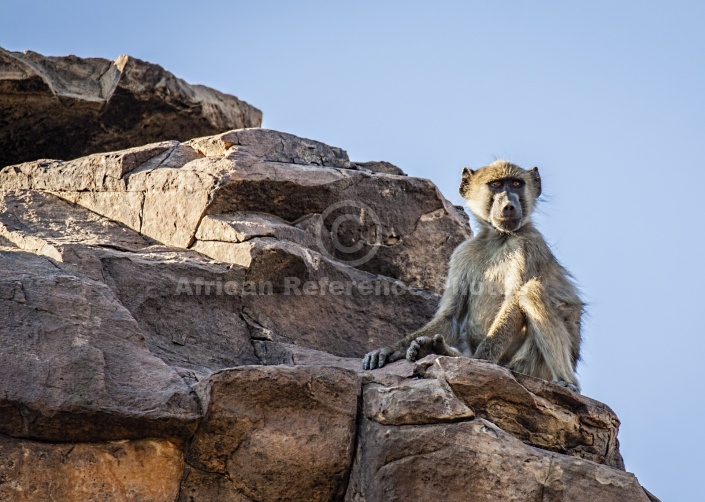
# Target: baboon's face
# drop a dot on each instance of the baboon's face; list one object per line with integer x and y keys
{"x": 501, "y": 194}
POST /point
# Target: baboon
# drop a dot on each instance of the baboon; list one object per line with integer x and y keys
{"x": 506, "y": 294}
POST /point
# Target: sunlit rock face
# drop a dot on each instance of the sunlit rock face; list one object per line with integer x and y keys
{"x": 186, "y": 321}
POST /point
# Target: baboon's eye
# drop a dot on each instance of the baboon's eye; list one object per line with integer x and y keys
{"x": 517, "y": 183}
{"x": 496, "y": 184}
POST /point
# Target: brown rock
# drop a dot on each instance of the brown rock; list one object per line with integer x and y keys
{"x": 413, "y": 402}
{"x": 474, "y": 460}
{"x": 375, "y": 222}
{"x": 124, "y": 470}
{"x": 242, "y": 227}
{"x": 253, "y": 146}
{"x": 535, "y": 411}
{"x": 182, "y": 308}
{"x": 198, "y": 315}
{"x": 378, "y": 222}
{"x": 195, "y": 332}
{"x": 67, "y": 107}
{"x": 274, "y": 433}
{"x": 321, "y": 304}
{"x": 275, "y": 353}
{"x": 73, "y": 364}
{"x": 44, "y": 224}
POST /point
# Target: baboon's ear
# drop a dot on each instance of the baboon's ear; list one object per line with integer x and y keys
{"x": 465, "y": 182}
{"x": 536, "y": 178}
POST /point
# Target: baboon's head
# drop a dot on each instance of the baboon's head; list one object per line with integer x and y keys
{"x": 501, "y": 194}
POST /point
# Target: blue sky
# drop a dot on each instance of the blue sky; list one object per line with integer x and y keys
{"x": 607, "y": 98}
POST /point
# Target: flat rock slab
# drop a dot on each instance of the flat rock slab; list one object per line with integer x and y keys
{"x": 217, "y": 193}
{"x": 68, "y": 107}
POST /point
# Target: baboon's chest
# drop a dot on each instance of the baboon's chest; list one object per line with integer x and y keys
{"x": 494, "y": 278}
{"x": 500, "y": 269}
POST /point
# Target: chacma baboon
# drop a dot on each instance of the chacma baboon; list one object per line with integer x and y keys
{"x": 505, "y": 292}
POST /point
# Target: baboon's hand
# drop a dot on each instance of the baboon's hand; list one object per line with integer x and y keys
{"x": 440, "y": 346}
{"x": 420, "y": 347}
{"x": 425, "y": 345}
{"x": 378, "y": 358}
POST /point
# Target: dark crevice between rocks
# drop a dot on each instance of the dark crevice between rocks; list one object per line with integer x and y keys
{"x": 548, "y": 476}
{"x": 257, "y": 331}
{"x": 114, "y": 248}
{"x": 359, "y": 415}
{"x": 224, "y": 474}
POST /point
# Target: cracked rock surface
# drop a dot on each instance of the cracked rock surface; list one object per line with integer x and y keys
{"x": 186, "y": 321}
{"x": 67, "y": 107}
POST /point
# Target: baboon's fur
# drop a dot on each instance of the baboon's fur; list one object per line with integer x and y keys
{"x": 505, "y": 293}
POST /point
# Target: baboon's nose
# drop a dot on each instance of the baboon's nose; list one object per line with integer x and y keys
{"x": 509, "y": 211}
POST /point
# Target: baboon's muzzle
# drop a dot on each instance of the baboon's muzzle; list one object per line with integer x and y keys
{"x": 506, "y": 214}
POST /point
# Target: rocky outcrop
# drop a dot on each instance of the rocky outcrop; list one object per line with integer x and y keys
{"x": 185, "y": 321}
{"x": 67, "y": 107}
{"x": 254, "y": 192}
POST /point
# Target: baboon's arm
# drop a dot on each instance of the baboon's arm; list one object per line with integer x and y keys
{"x": 506, "y": 335}
{"x": 377, "y": 358}
{"x": 550, "y": 333}
{"x": 446, "y": 323}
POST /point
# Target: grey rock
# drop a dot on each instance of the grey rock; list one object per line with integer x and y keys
{"x": 382, "y": 167}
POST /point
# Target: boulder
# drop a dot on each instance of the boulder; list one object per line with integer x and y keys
{"x": 474, "y": 460}
{"x": 68, "y": 107}
{"x": 471, "y": 429}
{"x": 535, "y": 411}
{"x": 274, "y": 433}
{"x": 146, "y": 469}
{"x": 74, "y": 365}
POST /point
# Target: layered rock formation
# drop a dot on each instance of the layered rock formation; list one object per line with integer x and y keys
{"x": 185, "y": 321}
{"x": 67, "y": 107}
